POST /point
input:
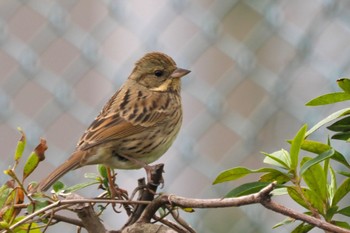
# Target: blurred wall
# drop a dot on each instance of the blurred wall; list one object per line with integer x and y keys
{"x": 254, "y": 65}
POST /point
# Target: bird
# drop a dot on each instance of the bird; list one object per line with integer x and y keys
{"x": 137, "y": 125}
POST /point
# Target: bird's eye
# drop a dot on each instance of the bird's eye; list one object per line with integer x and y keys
{"x": 158, "y": 73}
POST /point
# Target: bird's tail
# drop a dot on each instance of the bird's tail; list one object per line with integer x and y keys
{"x": 72, "y": 163}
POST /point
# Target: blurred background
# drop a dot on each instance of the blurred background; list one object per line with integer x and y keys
{"x": 254, "y": 63}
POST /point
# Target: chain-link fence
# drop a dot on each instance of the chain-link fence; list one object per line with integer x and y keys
{"x": 252, "y": 62}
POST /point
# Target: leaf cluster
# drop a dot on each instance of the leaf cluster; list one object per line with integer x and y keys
{"x": 306, "y": 171}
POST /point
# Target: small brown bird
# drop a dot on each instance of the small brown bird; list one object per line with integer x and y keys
{"x": 137, "y": 125}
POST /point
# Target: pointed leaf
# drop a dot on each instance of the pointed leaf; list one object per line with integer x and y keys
{"x": 232, "y": 174}
{"x": 34, "y": 158}
{"x": 344, "y": 136}
{"x": 315, "y": 146}
{"x": 341, "y": 224}
{"x": 345, "y": 211}
{"x": 30, "y": 165}
{"x": 340, "y": 158}
{"x": 238, "y": 172}
{"x": 330, "y": 213}
{"x": 316, "y": 160}
{"x": 342, "y": 125}
{"x": 284, "y": 222}
{"x": 333, "y": 116}
{"x": 341, "y": 192}
{"x": 303, "y": 228}
{"x": 279, "y": 158}
{"x": 330, "y": 98}
{"x": 333, "y": 184}
{"x": 315, "y": 179}
{"x": 77, "y": 187}
{"x": 318, "y": 148}
{"x": 295, "y": 147}
{"x": 279, "y": 191}
{"x": 275, "y": 175}
{"x": 5, "y": 191}
{"x": 310, "y": 198}
{"x": 20, "y": 145}
{"x": 102, "y": 170}
{"x": 344, "y": 84}
{"x": 247, "y": 189}
{"x": 344, "y": 173}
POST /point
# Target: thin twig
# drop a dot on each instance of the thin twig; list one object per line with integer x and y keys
{"x": 67, "y": 203}
{"x": 181, "y": 221}
{"x": 69, "y": 220}
{"x": 170, "y": 224}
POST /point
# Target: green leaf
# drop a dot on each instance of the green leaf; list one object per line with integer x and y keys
{"x": 295, "y": 147}
{"x": 24, "y": 227}
{"x": 311, "y": 198}
{"x": 340, "y": 158}
{"x": 32, "y": 162}
{"x": 344, "y": 136}
{"x": 333, "y": 184}
{"x": 333, "y": 116}
{"x": 344, "y": 84}
{"x": 38, "y": 205}
{"x": 20, "y": 145}
{"x": 57, "y": 186}
{"x": 279, "y": 191}
{"x": 275, "y": 175}
{"x": 316, "y": 160}
{"x": 5, "y": 191}
{"x": 315, "y": 146}
{"x": 279, "y": 158}
{"x": 246, "y": 189}
{"x": 91, "y": 176}
{"x": 344, "y": 173}
{"x": 232, "y": 174}
{"x": 318, "y": 148}
{"x": 345, "y": 211}
{"x": 238, "y": 172}
{"x": 302, "y": 228}
{"x": 342, "y": 125}
{"x": 102, "y": 170}
{"x": 341, "y": 224}
{"x": 330, "y": 213}
{"x": 341, "y": 192}
{"x": 315, "y": 179}
{"x": 77, "y": 187}
{"x": 284, "y": 222}
{"x": 35, "y": 158}
{"x": 330, "y": 98}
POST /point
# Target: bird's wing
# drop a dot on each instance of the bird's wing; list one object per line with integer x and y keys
{"x": 113, "y": 123}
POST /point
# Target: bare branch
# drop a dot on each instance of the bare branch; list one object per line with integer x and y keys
{"x": 269, "y": 204}
{"x": 147, "y": 191}
{"x": 69, "y": 220}
{"x": 262, "y": 197}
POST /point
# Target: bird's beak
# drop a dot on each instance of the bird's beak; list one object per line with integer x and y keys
{"x": 179, "y": 72}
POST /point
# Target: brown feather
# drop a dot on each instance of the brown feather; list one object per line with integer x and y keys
{"x": 72, "y": 163}
{"x": 141, "y": 120}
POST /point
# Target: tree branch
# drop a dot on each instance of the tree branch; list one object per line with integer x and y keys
{"x": 262, "y": 197}
{"x": 89, "y": 219}
{"x": 269, "y": 204}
